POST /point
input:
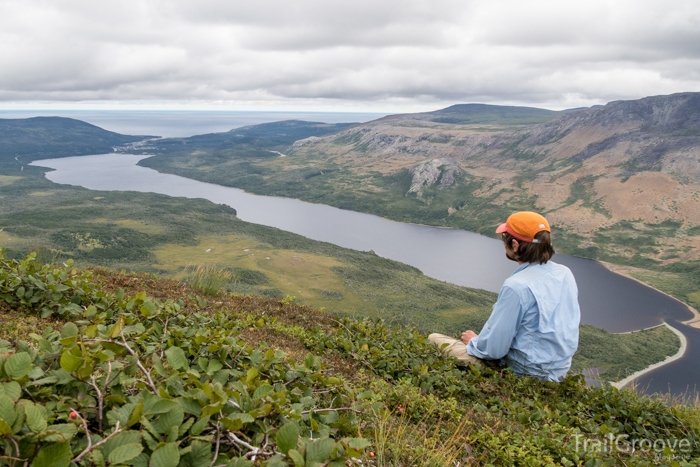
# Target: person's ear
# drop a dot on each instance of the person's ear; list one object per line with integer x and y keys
{"x": 514, "y": 244}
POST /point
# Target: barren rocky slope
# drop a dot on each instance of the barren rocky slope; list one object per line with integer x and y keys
{"x": 635, "y": 162}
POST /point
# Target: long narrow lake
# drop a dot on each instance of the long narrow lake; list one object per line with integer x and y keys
{"x": 608, "y": 300}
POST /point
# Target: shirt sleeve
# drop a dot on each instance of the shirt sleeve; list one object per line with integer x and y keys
{"x": 496, "y": 337}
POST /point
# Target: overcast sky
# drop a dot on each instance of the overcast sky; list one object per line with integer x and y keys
{"x": 364, "y": 55}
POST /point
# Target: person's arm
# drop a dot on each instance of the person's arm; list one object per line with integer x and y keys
{"x": 497, "y": 335}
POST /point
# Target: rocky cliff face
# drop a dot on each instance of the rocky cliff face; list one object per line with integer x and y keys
{"x": 428, "y": 173}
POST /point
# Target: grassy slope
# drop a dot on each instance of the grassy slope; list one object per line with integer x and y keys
{"x": 414, "y": 407}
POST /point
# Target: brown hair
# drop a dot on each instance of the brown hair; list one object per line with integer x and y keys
{"x": 532, "y": 252}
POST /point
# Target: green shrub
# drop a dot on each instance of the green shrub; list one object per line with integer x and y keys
{"x": 131, "y": 380}
{"x": 137, "y": 381}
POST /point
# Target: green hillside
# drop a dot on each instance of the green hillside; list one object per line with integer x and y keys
{"x": 43, "y": 137}
{"x": 472, "y": 114}
{"x": 109, "y": 368}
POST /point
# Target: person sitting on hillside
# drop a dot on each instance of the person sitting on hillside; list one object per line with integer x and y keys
{"x": 534, "y": 324}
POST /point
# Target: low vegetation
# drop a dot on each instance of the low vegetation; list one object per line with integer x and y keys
{"x": 124, "y": 369}
{"x": 173, "y": 237}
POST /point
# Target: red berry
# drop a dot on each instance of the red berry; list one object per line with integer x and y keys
{"x": 73, "y": 415}
{"x": 371, "y": 454}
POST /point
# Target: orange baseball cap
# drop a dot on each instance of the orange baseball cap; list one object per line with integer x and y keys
{"x": 524, "y": 226}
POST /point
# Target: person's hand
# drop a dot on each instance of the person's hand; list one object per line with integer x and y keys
{"x": 468, "y": 335}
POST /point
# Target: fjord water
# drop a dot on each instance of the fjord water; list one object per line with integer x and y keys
{"x": 608, "y": 300}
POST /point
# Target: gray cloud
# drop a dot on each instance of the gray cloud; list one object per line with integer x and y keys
{"x": 360, "y": 52}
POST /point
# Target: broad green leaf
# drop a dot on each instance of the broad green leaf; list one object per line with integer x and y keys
{"x": 11, "y": 389}
{"x": 200, "y": 455}
{"x": 358, "y": 443}
{"x": 287, "y": 437}
{"x": 173, "y": 418}
{"x": 251, "y": 375}
{"x": 5, "y": 429}
{"x": 70, "y": 362}
{"x": 296, "y": 458}
{"x": 135, "y": 414}
{"x": 166, "y": 455}
{"x": 122, "y": 439}
{"x": 276, "y": 461}
{"x": 156, "y": 405}
{"x": 199, "y": 426}
{"x": 116, "y": 330}
{"x": 18, "y": 425}
{"x": 140, "y": 461}
{"x": 184, "y": 428}
{"x": 262, "y": 391}
{"x": 212, "y": 409}
{"x": 190, "y": 406}
{"x": 176, "y": 358}
{"x": 7, "y": 410}
{"x": 318, "y": 451}
{"x": 124, "y": 453}
{"x": 45, "y": 381}
{"x": 98, "y": 459}
{"x": 18, "y": 365}
{"x": 53, "y": 455}
{"x": 214, "y": 366}
{"x": 59, "y": 433}
{"x": 35, "y": 373}
{"x": 36, "y": 417}
{"x": 69, "y": 330}
{"x": 239, "y": 462}
{"x": 235, "y": 421}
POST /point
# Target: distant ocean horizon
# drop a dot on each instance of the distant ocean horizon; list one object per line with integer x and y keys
{"x": 183, "y": 123}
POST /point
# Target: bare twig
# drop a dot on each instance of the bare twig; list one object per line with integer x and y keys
{"x": 91, "y": 446}
{"x": 338, "y": 409}
{"x": 346, "y": 328}
{"x": 140, "y": 365}
{"x": 100, "y": 402}
{"x": 240, "y": 442}
{"x": 334, "y": 388}
{"x": 109, "y": 373}
{"x": 14, "y": 441}
{"x": 218, "y": 444}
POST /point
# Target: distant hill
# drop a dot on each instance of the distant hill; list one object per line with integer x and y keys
{"x": 471, "y": 114}
{"x": 256, "y": 138}
{"x": 44, "y": 137}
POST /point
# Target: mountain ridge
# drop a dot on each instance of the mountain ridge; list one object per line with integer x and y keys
{"x": 619, "y": 183}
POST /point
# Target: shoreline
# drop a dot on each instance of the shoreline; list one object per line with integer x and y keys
{"x": 684, "y": 345}
{"x": 692, "y": 322}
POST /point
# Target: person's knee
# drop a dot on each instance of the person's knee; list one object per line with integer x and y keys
{"x": 434, "y": 337}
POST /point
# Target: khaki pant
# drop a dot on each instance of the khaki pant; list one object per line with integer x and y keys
{"x": 456, "y": 348}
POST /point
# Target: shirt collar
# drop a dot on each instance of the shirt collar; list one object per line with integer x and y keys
{"x": 520, "y": 268}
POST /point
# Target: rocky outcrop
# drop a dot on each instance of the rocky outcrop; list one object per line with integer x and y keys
{"x": 430, "y": 172}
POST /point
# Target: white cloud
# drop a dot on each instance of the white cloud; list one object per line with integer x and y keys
{"x": 320, "y": 53}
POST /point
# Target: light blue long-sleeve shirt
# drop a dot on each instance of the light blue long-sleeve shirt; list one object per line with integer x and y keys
{"x": 534, "y": 324}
